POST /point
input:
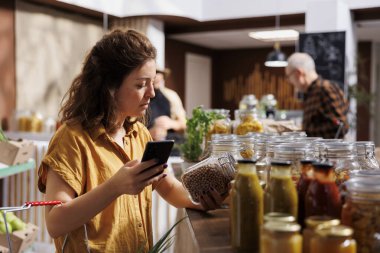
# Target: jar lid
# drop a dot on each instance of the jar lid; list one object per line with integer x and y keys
{"x": 314, "y": 221}
{"x": 307, "y": 161}
{"x": 365, "y": 174}
{"x": 322, "y": 165}
{"x": 363, "y": 185}
{"x": 276, "y": 226}
{"x": 280, "y": 217}
{"x": 339, "y": 146}
{"x": 247, "y": 161}
{"x": 280, "y": 163}
{"x": 335, "y": 231}
{"x": 363, "y": 146}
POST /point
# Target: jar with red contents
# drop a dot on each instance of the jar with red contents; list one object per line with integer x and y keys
{"x": 302, "y": 187}
{"x": 322, "y": 197}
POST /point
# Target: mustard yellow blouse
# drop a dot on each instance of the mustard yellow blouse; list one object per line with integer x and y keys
{"x": 85, "y": 160}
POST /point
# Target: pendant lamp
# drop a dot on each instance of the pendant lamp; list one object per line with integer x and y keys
{"x": 276, "y": 58}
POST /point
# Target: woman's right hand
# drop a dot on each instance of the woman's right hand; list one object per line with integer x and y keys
{"x": 134, "y": 176}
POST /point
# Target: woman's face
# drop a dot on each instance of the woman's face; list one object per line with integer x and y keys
{"x": 135, "y": 92}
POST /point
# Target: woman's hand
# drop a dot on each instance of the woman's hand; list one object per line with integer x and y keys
{"x": 134, "y": 176}
{"x": 212, "y": 200}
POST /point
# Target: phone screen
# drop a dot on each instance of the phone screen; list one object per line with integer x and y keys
{"x": 159, "y": 150}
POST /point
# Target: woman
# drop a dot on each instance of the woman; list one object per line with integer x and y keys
{"x": 92, "y": 162}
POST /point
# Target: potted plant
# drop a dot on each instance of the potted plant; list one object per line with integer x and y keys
{"x": 197, "y": 128}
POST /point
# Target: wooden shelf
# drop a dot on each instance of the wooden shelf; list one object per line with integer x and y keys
{"x": 15, "y": 169}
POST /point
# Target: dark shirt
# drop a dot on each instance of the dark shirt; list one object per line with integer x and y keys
{"x": 159, "y": 106}
{"x": 325, "y": 107}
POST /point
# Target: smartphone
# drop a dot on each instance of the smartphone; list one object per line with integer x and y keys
{"x": 159, "y": 150}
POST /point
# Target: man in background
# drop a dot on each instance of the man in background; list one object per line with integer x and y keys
{"x": 167, "y": 118}
{"x": 324, "y": 105}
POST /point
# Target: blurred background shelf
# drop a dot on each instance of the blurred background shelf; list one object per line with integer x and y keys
{"x": 6, "y": 170}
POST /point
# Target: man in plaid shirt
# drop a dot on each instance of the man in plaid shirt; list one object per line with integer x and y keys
{"x": 325, "y": 107}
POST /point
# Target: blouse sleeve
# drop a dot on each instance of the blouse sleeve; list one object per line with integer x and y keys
{"x": 65, "y": 156}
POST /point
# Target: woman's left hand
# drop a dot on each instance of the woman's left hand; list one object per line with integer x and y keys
{"x": 212, "y": 200}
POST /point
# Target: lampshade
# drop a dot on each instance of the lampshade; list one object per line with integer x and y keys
{"x": 276, "y": 58}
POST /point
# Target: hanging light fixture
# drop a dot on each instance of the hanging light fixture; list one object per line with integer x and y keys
{"x": 276, "y": 58}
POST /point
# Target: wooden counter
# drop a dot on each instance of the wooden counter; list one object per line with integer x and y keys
{"x": 206, "y": 232}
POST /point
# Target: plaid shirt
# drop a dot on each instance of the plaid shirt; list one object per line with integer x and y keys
{"x": 324, "y": 108}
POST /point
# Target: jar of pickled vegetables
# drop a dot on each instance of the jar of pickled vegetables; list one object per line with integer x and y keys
{"x": 280, "y": 193}
{"x": 343, "y": 156}
{"x": 312, "y": 223}
{"x": 246, "y": 208}
{"x": 333, "y": 239}
{"x": 322, "y": 196}
{"x": 307, "y": 175}
{"x": 361, "y": 211}
{"x": 281, "y": 237}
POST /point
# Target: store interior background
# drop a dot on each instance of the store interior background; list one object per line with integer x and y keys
{"x": 204, "y": 43}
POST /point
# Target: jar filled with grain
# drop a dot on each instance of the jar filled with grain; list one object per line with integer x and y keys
{"x": 247, "y": 121}
{"x": 213, "y": 173}
{"x": 362, "y": 212}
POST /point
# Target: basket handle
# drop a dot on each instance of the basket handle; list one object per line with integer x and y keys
{"x": 43, "y": 203}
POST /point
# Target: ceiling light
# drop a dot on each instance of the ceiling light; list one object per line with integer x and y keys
{"x": 276, "y": 58}
{"x": 275, "y": 35}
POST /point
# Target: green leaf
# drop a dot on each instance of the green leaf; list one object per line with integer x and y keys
{"x": 165, "y": 242}
{"x": 2, "y": 135}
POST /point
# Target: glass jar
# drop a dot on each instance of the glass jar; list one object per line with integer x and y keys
{"x": 322, "y": 196}
{"x": 343, "y": 156}
{"x": 231, "y": 146}
{"x": 361, "y": 211}
{"x": 247, "y": 122}
{"x": 247, "y": 144}
{"x": 246, "y": 208}
{"x": 222, "y": 125}
{"x": 319, "y": 146}
{"x": 281, "y": 237}
{"x": 280, "y": 193}
{"x": 365, "y": 151}
{"x": 215, "y": 172}
{"x": 294, "y": 152}
{"x": 248, "y": 102}
{"x": 312, "y": 223}
{"x": 333, "y": 239}
{"x": 303, "y": 186}
{"x": 262, "y": 165}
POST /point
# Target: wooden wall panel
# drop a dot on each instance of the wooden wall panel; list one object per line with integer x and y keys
{"x": 7, "y": 61}
{"x": 364, "y": 84}
{"x": 239, "y": 72}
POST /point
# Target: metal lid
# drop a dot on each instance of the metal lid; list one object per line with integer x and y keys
{"x": 279, "y": 217}
{"x": 307, "y": 161}
{"x": 315, "y": 221}
{"x": 247, "y": 161}
{"x": 323, "y": 165}
{"x": 280, "y": 163}
{"x": 335, "y": 231}
{"x": 363, "y": 185}
{"x": 276, "y": 226}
